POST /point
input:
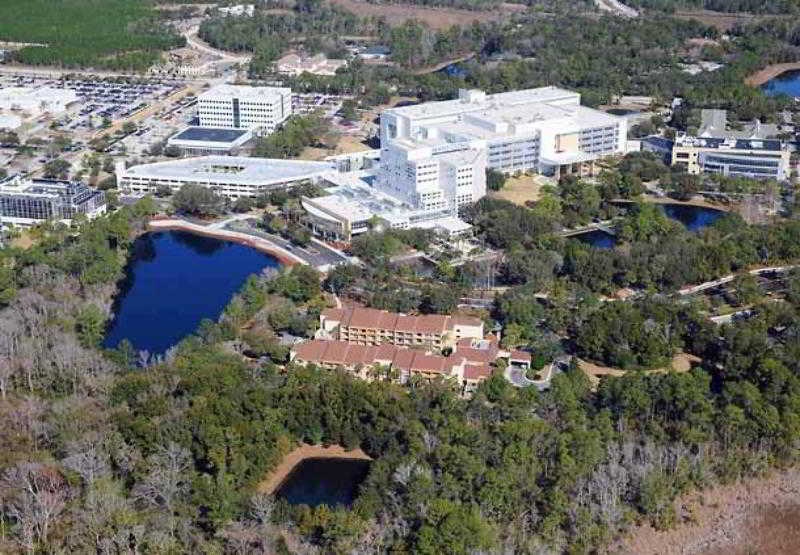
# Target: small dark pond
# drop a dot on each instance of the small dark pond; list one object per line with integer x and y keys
{"x": 324, "y": 481}
{"x": 785, "y": 83}
{"x": 693, "y": 217}
{"x": 175, "y": 279}
{"x": 598, "y": 238}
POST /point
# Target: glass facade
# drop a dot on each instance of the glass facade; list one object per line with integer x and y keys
{"x": 43, "y": 199}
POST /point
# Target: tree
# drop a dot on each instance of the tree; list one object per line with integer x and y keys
{"x": 348, "y": 110}
{"x": 197, "y": 200}
{"x": 163, "y": 191}
{"x": 57, "y": 169}
{"x": 242, "y": 204}
{"x": 495, "y": 180}
{"x": 90, "y": 325}
{"x": 172, "y": 151}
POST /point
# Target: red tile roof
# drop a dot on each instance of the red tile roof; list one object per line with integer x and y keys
{"x": 477, "y": 371}
{"x": 520, "y": 355}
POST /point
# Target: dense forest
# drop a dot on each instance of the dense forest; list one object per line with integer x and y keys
{"x": 106, "y": 451}
{"x": 107, "y": 34}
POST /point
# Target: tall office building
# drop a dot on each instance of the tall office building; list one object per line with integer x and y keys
{"x": 242, "y": 107}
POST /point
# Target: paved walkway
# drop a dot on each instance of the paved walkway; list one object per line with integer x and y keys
{"x": 259, "y": 243}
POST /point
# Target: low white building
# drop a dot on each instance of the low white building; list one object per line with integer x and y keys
{"x": 36, "y": 101}
{"x": 202, "y": 141}
{"x": 261, "y": 109}
{"x": 353, "y": 205}
{"x": 231, "y": 176}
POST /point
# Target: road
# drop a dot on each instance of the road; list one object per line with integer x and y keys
{"x": 225, "y": 57}
{"x": 717, "y": 282}
{"x": 319, "y": 255}
{"x": 518, "y": 378}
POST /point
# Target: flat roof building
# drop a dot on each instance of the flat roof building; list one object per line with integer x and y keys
{"x": 753, "y": 158}
{"x": 36, "y": 101}
{"x": 201, "y": 141}
{"x": 27, "y": 202}
{"x": 434, "y": 156}
{"x": 261, "y": 109}
{"x": 231, "y": 176}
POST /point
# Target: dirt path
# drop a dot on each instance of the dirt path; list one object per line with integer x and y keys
{"x": 760, "y": 77}
{"x": 755, "y": 516}
{"x": 273, "y": 480}
{"x": 681, "y": 362}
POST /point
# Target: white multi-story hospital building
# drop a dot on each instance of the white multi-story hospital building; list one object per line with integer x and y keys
{"x": 544, "y": 130}
{"x": 244, "y": 107}
{"x": 434, "y": 156}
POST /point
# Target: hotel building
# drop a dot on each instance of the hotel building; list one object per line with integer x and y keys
{"x": 369, "y": 326}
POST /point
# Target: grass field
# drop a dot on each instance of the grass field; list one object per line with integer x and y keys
{"x": 107, "y": 34}
{"x": 520, "y": 190}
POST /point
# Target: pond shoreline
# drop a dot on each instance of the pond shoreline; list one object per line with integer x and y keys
{"x": 770, "y": 72}
{"x": 272, "y": 482}
{"x": 262, "y": 245}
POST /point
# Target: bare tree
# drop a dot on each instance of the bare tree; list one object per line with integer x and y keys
{"x": 90, "y": 462}
{"x": 167, "y": 480}
{"x": 34, "y": 495}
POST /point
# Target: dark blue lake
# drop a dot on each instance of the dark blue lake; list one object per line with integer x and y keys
{"x": 174, "y": 280}
{"x": 693, "y": 217}
{"x": 324, "y": 481}
{"x": 786, "y": 83}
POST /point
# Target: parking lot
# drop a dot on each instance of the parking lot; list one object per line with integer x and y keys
{"x": 99, "y": 101}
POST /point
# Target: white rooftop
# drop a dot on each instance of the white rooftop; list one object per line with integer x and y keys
{"x": 243, "y": 91}
{"x": 477, "y": 101}
{"x": 232, "y": 170}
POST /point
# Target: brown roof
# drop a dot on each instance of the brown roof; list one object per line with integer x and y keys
{"x": 406, "y": 323}
{"x": 385, "y": 352}
{"x": 475, "y": 356}
{"x": 430, "y": 363}
{"x": 334, "y": 314}
{"x": 477, "y": 371}
{"x": 335, "y": 353}
{"x": 311, "y": 351}
{"x": 403, "y": 359}
{"x": 432, "y": 323}
{"x": 520, "y": 355}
